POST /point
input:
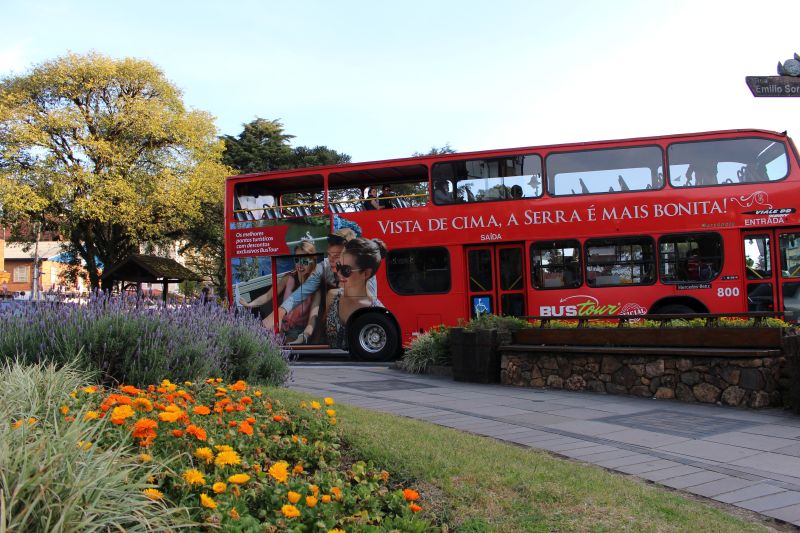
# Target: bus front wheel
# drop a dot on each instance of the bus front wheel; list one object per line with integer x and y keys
{"x": 373, "y": 337}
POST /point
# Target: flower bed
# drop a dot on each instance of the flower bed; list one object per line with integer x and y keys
{"x": 241, "y": 461}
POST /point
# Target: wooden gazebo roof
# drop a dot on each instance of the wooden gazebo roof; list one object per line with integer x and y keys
{"x": 149, "y": 269}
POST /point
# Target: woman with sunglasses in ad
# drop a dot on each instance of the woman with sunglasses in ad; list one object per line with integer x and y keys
{"x": 359, "y": 262}
{"x": 304, "y": 264}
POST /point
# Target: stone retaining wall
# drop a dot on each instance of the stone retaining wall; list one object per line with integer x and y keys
{"x": 752, "y": 382}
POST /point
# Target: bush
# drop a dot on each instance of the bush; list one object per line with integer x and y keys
{"x": 52, "y": 475}
{"x": 129, "y": 342}
{"x": 504, "y": 325}
{"x": 426, "y": 350}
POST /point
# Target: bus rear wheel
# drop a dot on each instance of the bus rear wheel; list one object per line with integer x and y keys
{"x": 373, "y": 337}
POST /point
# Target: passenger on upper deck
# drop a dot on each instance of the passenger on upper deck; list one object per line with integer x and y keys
{"x": 371, "y": 203}
{"x": 386, "y": 202}
{"x": 440, "y": 193}
{"x": 704, "y": 172}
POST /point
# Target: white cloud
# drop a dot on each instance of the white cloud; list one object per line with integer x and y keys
{"x": 13, "y": 60}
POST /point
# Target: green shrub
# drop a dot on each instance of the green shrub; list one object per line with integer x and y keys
{"x": 52, "y": 477}
{"x": 131, "y": 343}
{"x": 426, "y": 350}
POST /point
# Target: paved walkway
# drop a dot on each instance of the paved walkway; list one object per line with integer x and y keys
{"x": 750, "y": 459}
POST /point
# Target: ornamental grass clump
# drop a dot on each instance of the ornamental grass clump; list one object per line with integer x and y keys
{"x": 128, "y": 341}
{"x": 426, "y": 350}
{"x": 235, "y": 459}
{"x": 53, "y": 476}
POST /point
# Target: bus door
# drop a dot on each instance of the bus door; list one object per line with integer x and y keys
{"x": 496, "y": 280}
{"x": 772, "y": 270}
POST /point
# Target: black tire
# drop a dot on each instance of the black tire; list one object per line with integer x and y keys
{"x": 674, "y": 309}
{"x": 373, "y": 337}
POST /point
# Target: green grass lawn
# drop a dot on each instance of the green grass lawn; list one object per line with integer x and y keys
{"x": 476, "y": 484}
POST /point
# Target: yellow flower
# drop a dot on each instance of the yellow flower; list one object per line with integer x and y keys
{"x": 311, "y": 501}
{"x": 194, "y": 477}
{"x": 187, "y": 383}
{"x": 258, "y": 394}
{"x": 290, "y": 511}
{"x": 303, "y": 405}
{"x": 219, "y": 487}
{"x": 328, "y": 401}
{"x": 84, "y": 445}
{"x": 170, "y": 415}
{"x": 332, "y": 421}
{"x": 205, "y": 454}
{"x": 314, "y": 489}
{"x": 337, "y": 530}
{"x": 225, "y": 458}
{"x": 64, "y": 409}
{"x": 293, "y": 496}
{"x": 142, "y": 404}
{"x": 315, "y": 405}
{"x": 223, "y": 448}
{"x": 279, "y": 471}
{"x": 207, "y": 501}
{"x": 331, "y": 413}
{"x": 120, "y": 413}
{"x": 73, "y": 394}
{"x": 91, "y": 415}
{"x": 239, "y": 479}
{"x": 145, "y": 457}
{"x": 89, "y": 390}
{"x": 154, "y": 494}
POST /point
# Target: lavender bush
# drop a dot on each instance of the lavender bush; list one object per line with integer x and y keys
{"x": 131, "y": 342}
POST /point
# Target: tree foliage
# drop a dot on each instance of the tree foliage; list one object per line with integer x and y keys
{"x": 106, "y": 150}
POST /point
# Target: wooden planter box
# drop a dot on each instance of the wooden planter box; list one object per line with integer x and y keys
{"x": 654, "y": 337}
{"x": 475, "y": 355}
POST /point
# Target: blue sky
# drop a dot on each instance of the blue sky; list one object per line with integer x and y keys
{"x": 380, "y": 80}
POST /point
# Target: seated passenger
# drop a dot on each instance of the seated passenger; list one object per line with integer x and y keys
{"x": 440, "y": 193}
{"x": 515, "y": 192}
{"x": 371, "y": 202}
{"x": 703, "y": 173}
{"x": 387, "y": 195}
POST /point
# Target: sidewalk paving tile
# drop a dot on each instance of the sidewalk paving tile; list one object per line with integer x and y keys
{"x": 789, "y": 514}
{"x": 709, "y": 450}
{"x": 540, "y": 419}
{"x": 751, "y": 440}
{"x": 614, "y": 453}
{"x": 671, "y": 472}
{"x": 587, "y": 427}
{"x": 792, "y": 449}
{"x": 748, "y": 493}
{"x": 772, "y": 501}
{"x": 772, "y": 462}
{"x": 720, "y": 486}
{"x": 592, "y": 450}
{"x": 688, "y": 480}
{"x": 641, "y": 437}
{"x": 649, "y": 466}
{"x": 775, "y": 430}
{"x": 581, "y": 413}
{"x": 634, "y": 458}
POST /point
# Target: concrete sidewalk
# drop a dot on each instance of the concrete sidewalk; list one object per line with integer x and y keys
{"x": 750, "y": 459}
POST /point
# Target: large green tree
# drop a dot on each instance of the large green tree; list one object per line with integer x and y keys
{"x": 106, "y": 150}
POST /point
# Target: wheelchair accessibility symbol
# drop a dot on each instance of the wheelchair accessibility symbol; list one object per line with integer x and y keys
{"x": 482, "y": 305}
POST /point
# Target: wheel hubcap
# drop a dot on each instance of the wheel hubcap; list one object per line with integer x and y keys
{"x": 372, "y": 338}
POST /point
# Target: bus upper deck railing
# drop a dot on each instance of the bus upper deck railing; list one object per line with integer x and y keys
{"x": 711, "y": 319}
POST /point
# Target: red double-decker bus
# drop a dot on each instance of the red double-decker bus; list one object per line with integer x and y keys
{"x": 690, "y": 223}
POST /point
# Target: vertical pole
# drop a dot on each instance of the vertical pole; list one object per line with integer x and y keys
{"x": 36, "y": 272}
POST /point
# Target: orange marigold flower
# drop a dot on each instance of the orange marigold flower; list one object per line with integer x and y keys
{"x": 143, "y": 428}
{"x": 414, "y": 507}
{"x": 332, "y": 421}
{"x": 328, "y": 401}
{"x": 290, "y": 511}
{"x": 245, "y": 428}
{"x": 201, "y": 410}
{"x": 410, "y": 495}
{"x": 120, "y": 413}
{"x": 314, "y": 489}
{"x": 235, "y": 490}
{"x": 145, "y": 457}
{"x": 326, "y": 498}
{"x": 64, "y": 409}
{"x": 90, "y": 389}
{"x": 225, "y": 458}
{"x": 277, "y": 418}
{"x": 205, "y": 454}
{"x": 311, "y": 501}
{"x": 91, "y": 415}
{"x": 120, "y": 399}
{"x": 298, "y": 469}
{"x": 239, "y": 386}
{"x": 295, "y": 439}
{"x": 197, "y": 432}
{"x": 246, "y": 400}
{"x": 232, "y": 423}
{"x": 130, "y": 389}
{"x": 250, "y": 420}
{"x": 230, "y": 408}
{"x": 258, "y": 394}
{"x": 293, "y": 496}
{"x": 331, "y": 413}
{"x": 337, "y": 492}
{"x": 239, "y": 479}
{"x": 234, "y": 514}
{"x": 194, "y": 477}
{"x": 219, "y": 487}
{"x": 177, "y": 433}
{"x": 385, "y": 476}
{"x": 337, "y": 530}
{"x": 142, "y": 404}
{"x": 315, "y": 405}
{"x": 207, "y": 501}
{"x": 170, "y": 416}
{"x": 154, "y": 494}
{"x": 69, "y": 418}
{"x": 279, "y": 471}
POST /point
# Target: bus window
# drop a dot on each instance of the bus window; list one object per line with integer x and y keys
{"x": 726, "y": 162}
{"x": 302, "y": 204}
{"x": 556, "y": 264}
{"x": 485, "y": 180}
{"x": 419, "y": 271}
{"x": 790, "y": 269}
{"x": 601, "y": 171}
{"x": 694, "y": 257}
{"x": 620, "y": 261}
{"x": 394, "y": 188}
{"x": 252, "y": 201}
